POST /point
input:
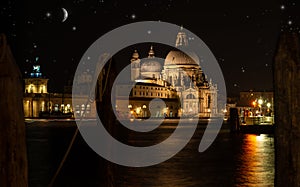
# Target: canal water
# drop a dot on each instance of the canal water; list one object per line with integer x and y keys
{"x": 232, "y": 160}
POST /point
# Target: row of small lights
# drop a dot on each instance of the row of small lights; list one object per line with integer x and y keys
{"x": 260, "y": 102}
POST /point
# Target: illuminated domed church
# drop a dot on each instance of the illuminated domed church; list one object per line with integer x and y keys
{"x": 178, "y": 78}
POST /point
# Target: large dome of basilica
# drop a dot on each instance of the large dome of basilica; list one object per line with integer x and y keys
{"x": 181, "y": 58}
{"x": 177, "y": 57}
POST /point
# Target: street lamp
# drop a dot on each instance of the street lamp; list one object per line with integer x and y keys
{"x": 260, "y": 102}
{"x": 254, "y": 104}
{"x": 138, "y": 110}
{"x": 144, "y": 110}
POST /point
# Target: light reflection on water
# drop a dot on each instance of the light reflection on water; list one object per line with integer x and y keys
{"x": 256, "y": 161}
{"x": 232, "y": 160}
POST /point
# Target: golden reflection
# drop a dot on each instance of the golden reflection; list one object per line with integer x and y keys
{"x": 255, "y": 163}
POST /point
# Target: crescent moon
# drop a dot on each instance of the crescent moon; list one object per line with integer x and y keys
{"x": 65, "y": 14}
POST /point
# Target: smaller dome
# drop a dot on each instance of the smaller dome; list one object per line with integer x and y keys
{"x": 151, "y": 66}
{"x": 151, "y": 52}
{"x": 135, "y": 55}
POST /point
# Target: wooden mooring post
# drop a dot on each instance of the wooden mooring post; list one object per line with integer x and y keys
{"x": 13, "y": 155}
{"x": 287, "y": 111}
{"x": 234, "y": 120}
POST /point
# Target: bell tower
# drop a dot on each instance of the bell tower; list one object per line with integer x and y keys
{"x": 181, "y": 39}
{"x": 35, "y": 83}
{"x": 135, "y": 66}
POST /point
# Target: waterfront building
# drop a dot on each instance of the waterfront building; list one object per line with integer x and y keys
{"x": 179, "y": 81}
{"x": 256, "y": 105}
{"x": 38, "y": 102}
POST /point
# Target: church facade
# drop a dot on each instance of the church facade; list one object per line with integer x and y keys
{"x": 179, "y": 81}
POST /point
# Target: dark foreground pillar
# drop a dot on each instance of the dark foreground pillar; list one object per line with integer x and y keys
{"x": 13, "y": 156}
{"x": 234, "y": 120}
{"x": 287, "y": 111}
{"x": 106, "y": 114}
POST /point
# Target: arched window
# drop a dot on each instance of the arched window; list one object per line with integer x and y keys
{"x": 190, "y": 96}
{"x": 208, "y": 101}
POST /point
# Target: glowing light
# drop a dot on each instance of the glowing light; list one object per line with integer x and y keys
{"x": 133, "y": 16}
{"x": 260, "y": 101}
{"x": 268, "y": 105}
{"x": 48, "y": 14}
{"x": 138, "y": 110}
{"x": 259, "y": 138}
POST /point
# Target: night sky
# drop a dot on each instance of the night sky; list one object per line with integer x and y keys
{"x": 242, "y": 34}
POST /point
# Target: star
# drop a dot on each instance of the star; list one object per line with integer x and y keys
{"x": 243, "y": 69}
{"x": 74, "y": 28}
{"x": 133, "y": 16}
{"x": 221, "y": 59}
{"x": 282, "y": 7}
{"x": 30, "y": 22}
{"x": 290, "y": 22}
{"x": 149, "y": 31}
{"x": 48, "y": 14}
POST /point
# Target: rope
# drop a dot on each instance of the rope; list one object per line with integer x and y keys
{"x": 76, "y": 133}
